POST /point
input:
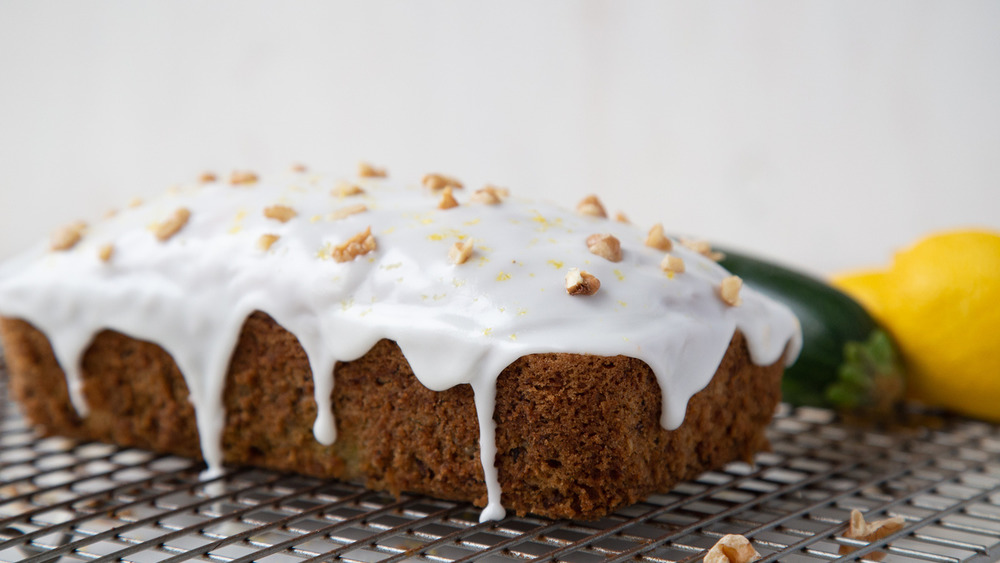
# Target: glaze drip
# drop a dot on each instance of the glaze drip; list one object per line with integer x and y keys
{"x": 454, "y": 323}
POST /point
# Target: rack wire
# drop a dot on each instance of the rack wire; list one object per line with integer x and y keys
{"x": 62, "y": 500}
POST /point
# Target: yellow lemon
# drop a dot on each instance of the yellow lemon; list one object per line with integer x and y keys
{"x": 940, "y": 300}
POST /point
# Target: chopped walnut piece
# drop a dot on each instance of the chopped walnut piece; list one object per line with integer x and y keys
{"x": 366, "y": 170}
{"x": 265, "y": 241}
{"x": 500, "y": 192}
{"x": 606, "y": 246}
{"x": 621, "y": 218}
{"x": 704, "y": 248}
{"x": 447, "y": 199}
{"x": 242, "y": 178}
{"x": 579, "y": 282}
{"x": 672, "y": 264}
{"x": 280, "y": 212}
{"x": 732, "y": 548}
{"x": 460, "y": 252}
{"x": 348, "y": 211}
{"x": 105, "y": 252}
{"x": 488, "y": 195}
{"x": 859, "y": 529}
{"x": 440, "y": 181}
{"x": 729, "y": 291}
{"x": 358, "y": 245}
{"x": 656, "y": 239}
{"x": 207, "y": 177}
{"x": 66, "y": 237}
{"x": 174, "y": 223}
{"x": 592, "y": 206}
{"x": 344, "y": 189}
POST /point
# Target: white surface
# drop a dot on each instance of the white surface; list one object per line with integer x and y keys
{"x": 825, "y": 134}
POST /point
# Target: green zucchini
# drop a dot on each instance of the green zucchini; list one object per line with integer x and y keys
{"x": 847, "y": 361}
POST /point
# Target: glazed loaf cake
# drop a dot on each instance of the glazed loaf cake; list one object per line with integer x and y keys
{"x": 494, "y": 350}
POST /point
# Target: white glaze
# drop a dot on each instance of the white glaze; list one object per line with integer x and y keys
{"x": 454, "y": 323}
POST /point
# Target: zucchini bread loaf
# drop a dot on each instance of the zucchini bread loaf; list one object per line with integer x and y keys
{"x": 483, "y": 347}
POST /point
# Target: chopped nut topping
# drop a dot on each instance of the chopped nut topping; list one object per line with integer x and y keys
{"x": 439, "y": 182}
{"x": 176, "y": 222}
{"x": 859, "y": 529}
{"x": 299, "y": 167}
{"x": 366, "y": 170}
{"x": 265, "y": 241}
{"x": 242, "y": 178}
{"x": 732, "y": 548}
{"x": 344, "y": 189}
{"x": 621, "y": 218}
{"x": 656, "y": 239}
{"x": 460, "y": 252}
{"x": 488, "y": 195}
{"x": 348, "y": 211}
{"x": 672, "y": 264}
{"x": 447, "y": 199}
{"x": 66, "y": 237}
{"x": 579, "y": 282}
{"x": 358, "y": 245}
{"x": 729, "y": 291}
{"x": 704, "y": 248}
{"x": 592, "y": 206}
{"x": 105, "y": 252}
{"x": 207, "y": 177}
{"x": 606, "y": 246}
{"x": 501, "y": 192}
{"x": 282, "y": 213}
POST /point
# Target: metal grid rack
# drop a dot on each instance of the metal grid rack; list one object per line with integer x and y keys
{"x": 62, "y": 500}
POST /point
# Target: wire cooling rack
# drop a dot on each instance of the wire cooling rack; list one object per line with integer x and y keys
{"x": 66, "y": 501}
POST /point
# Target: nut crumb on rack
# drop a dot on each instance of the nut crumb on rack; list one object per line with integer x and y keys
{"x": 299, "y": 167}
{"x": 672, "y": 264}
{"x": 280, "y": 212}
{"x": 358, "y": 245}
{"x": 729, "y": 291}
{"x": 621, "y": 218}
{"x": 579, "y": 282}
{"x": 167, "y": 229}
{"x": 860, "y": 529}
{"x": 266, "y": 240}
{"x": 105, "y": 252}
{"x": 606, "y": 246}
{"x": 656, "y": 239}
{"x": 437, "y": 182}
{"x": 447, "y": 199}
{"x": 242, "y": 178}
{"x": 366, "y": 170}
{"x": 348, "y": 211}
{"x": 66, "y": 237}
{"x": 732, "y": 548}
{"x": 207, "y": 177}
{"x": 704, "y": 248}
{"x": 345, "y": 189}
{"x": 460, "y": 252}
{"x": 592, "y": 206}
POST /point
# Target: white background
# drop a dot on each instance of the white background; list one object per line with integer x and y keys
{"x": 824, "y": 134}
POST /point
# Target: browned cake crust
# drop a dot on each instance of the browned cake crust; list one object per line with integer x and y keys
{"x": 577, "y": 436}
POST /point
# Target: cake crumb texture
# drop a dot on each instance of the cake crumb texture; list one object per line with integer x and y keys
{"x": 577, "y": 435}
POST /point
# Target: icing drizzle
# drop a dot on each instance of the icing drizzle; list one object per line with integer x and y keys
{"x": 455, "y": 324}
